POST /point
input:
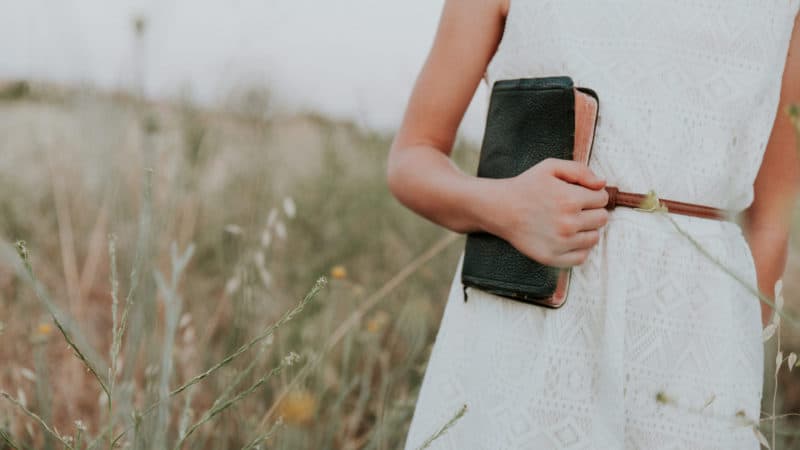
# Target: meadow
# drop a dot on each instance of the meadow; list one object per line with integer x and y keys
{"x": 234, "y": 277}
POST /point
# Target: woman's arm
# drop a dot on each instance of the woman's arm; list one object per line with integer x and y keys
{"x": 767, "y": 220}
{"x": 420, "y": 172}
{"x": 550, "y": 219}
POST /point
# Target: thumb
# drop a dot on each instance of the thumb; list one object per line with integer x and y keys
{"x": 578, "y": 173}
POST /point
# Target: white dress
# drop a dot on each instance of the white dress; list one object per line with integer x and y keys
{"x": 688, "y": 95}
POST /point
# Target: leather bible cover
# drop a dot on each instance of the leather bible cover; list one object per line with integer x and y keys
{"x": 529, "y": 120}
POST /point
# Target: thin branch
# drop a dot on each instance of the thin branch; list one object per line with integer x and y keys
{"x": 754, "y": 290}
{"x": 321, "y": 282}
{"x": 445, "y": 427}
{"x": 356, "y": 316}
{"x": 264, "y": 436}
{"x": 22, "y": 251}
{"x": 214, "y": 410}
{"x": 8, "y": 439}
{"x": 35, "y": 417}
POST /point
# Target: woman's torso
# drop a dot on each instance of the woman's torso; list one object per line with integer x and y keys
{"x": 687, "y": 100}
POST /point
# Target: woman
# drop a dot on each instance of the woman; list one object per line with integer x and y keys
{"x": 656, "y": 347}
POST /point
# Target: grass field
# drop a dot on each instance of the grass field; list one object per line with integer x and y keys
{"x": 165, "y": 237}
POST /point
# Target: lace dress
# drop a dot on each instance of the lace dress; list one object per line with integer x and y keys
{"x": 656, "y": 346}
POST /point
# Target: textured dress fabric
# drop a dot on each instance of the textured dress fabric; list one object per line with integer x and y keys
{"x": 656, "y": 347}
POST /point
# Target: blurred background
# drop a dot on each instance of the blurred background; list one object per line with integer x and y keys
{"x": 182, "y": 175}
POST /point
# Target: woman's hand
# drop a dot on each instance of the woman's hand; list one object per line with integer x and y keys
{"x": 551, "y": 212}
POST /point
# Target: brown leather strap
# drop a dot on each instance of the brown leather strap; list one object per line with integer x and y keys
{"x": 634, "y": 200}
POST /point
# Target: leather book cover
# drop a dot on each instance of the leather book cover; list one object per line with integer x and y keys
{"x": 529, "y": 120}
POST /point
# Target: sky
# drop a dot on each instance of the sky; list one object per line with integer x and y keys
{"x": 353, "y": 59}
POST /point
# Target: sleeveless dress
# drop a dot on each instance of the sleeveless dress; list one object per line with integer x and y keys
{"x": 656, "y": 346}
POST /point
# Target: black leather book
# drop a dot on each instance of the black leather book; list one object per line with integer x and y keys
{"x": 529, "y": 120}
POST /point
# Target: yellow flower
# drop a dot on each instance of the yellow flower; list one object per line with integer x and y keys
{"x": 651, "y": 203}
{"x": 44, "y": 329}
{"x": 339, "y": 272}
{"x": 378, "y": 320}
{"x": 298, "y": 407}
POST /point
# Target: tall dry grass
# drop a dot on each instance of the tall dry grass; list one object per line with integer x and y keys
{"x": 164, "y": 238}
{"x": 167, "y": 293}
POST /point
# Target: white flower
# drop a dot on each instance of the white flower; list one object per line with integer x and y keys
{"x": 259, "y": 259}
{"x": 761, "y": 438}
{"x": 266, "y": 238}
{"x": 27, "y": 373}
{"x": 768, "y": 332}
{"x": 272, "y": 216}
{"x": 778, "y": 287}
{"x": 185, "y": 319}
{"x": 21, "y": 398}
{"x": 280, "y": 229}
{"x": 233, "y": 229}
{"x": 232, "y": 285}
{"x": 289, "y": 207}
{"x": 291, "y": 358}
{"x": 188, "y": 335}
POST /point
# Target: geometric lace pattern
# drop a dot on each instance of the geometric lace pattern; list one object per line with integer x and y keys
{"x": 656, "y": 346}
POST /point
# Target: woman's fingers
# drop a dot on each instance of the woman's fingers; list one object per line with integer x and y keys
{"x": 585, "y": 198}
{"x": 582, "y": 240}
{"x": 592, "y": 219}
{"x": 575, "y": 172}
{"x": 588, "y": 234}
{"x": 572, "y": 258}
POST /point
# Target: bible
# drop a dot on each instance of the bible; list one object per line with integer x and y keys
{"x": 529, "y": 120}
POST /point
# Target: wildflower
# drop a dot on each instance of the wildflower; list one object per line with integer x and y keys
{"x": 266, "y": 238}
{"x": 280, "y": 230}
{"x": 232, "y": 285}
{"x": 27, "y": 374}
{"x": 188, "y": 335}
{"x": 710, "y": 400}
{"x": 232, "y": 228}
{"x": 291, "y": 358}
{"x": 22, "y": 250}
{"x": 651, "y": 203}
{"x": 21, "y": 398}
{"x": 378, "y": 320}
{"x": 761, "y": 438}
{"x": 271, "y": 217}
{"x": 298, "y": 407}
{"x": 44, "y": 329}
{"x": 661, "y": 397}
{"x": 289, "y": 207}
{"x": 339, "y": 272}
{"x": 768, "y": 332}
{"x": 741, "y": 419}
{"x": 185, "y": 319}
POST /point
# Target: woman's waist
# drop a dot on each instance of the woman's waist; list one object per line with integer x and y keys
{"x": 670, "y": 223}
